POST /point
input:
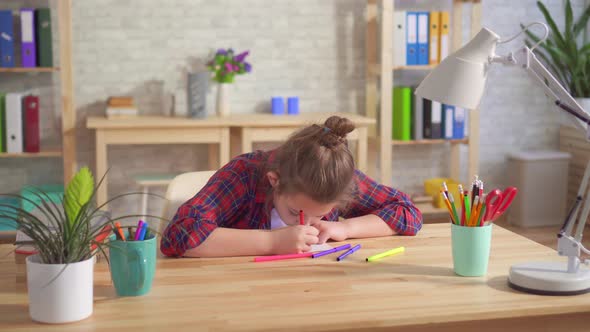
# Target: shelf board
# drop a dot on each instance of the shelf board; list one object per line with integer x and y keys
{"x": 29, "y": 70}
{"x": 42, "y": 154}
{"x": 431, "y": 141}
{"x": 427, "y": 67}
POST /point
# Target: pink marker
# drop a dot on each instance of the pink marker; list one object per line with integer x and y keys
{"x": 140, "y": 225}
{"x": 281, "y": 257}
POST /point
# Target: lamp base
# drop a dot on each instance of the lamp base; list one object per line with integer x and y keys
{"x": 549, "y": 278}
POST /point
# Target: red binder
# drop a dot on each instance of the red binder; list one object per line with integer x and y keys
{"x": 31, "y": 123}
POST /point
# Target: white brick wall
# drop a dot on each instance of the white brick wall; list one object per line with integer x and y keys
{"x": 310, "y": 48}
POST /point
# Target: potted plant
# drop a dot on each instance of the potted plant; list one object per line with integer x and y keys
{"x": 66, "y": 235}
{"x": 225, "y": 66}
{"x": 566, "y": 53}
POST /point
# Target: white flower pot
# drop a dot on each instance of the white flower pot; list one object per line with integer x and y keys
{"x": 223, "y": 99}
{"x": 60, "y": 293}
{"x": 585, "y": 103}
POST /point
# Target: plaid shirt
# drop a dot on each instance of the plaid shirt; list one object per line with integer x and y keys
{"x": 235, "y": 197}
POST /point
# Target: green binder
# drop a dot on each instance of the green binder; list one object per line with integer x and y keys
{"x": 2, "y": 122}
{"x": 43, "y": 37}
{"x": 402, "y": 113}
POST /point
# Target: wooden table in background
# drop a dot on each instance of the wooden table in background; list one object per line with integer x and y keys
{"x": 413, "y": 291}
{"x": 214, "y": 131}
{"x": 259, "y": 127}
{"x": 158, "y": 130}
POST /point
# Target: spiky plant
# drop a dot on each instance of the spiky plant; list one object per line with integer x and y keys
{"x": 568, "y": 60}
{"x": 66, "y": 231}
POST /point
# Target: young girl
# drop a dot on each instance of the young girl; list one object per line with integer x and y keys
{"x": 251, "y": 206}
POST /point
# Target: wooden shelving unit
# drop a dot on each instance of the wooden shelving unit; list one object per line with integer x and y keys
{"x": 42, "y": 154}
{"x": 379, "y": 83}
{"x": 65, "y": 70}
{"x": 429, "y": 67}
{"x": 29, "y": 70}
{"x": 431, "y": 141}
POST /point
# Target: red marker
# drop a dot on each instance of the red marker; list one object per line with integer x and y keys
{"x": 104, "y": 232}
{"x": 301, "y": 219}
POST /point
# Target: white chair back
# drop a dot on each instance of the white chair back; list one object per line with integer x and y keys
{"x": 180, "y": 189}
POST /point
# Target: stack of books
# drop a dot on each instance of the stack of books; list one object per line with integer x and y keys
{"x": 415, "y": 118}
{"x": 121, "y": 107}
{"x": 420, "y": 38}
{"x": 19, "y": 123}
{"x": 34, "y": 42}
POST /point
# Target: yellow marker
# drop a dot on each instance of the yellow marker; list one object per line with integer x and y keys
{"x": 387, "y": 253}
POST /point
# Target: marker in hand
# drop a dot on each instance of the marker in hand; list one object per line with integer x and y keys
{"x": 301, "y": 218}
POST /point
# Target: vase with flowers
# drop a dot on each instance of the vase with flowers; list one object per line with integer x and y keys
{"x": 224, "y": 66}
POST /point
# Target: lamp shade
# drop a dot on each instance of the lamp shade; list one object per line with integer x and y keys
{"x": 460, "y": 78}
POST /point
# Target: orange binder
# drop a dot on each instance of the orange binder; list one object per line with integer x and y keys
{"x": 434, "y": 57}
{"x": 445, "y": 42}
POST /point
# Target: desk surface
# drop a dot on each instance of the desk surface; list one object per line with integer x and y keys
{"x": 233, "y": 120}
{"x": 417, "y": 287}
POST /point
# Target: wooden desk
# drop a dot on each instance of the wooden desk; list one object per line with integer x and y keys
{"x": 158, "y": 130}
{"x": 414, "y": 291}
{"x": 252, "y": 128}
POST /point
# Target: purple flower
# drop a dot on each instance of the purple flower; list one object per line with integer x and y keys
{"x": 240, "y": 57}
{"x": 221, "y": 51}
{"x": 247, "y": 67}
{"x": 229, "y": 67}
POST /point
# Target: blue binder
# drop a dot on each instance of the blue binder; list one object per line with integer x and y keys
{"x": 6, "y": 39}
{"x": 423, "y": 32}
{"x": 412, "y": 38}
{"x": 459, "y": 123}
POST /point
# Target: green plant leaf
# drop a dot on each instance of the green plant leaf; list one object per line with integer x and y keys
{"x": 582, "y": 21}
{"x": 569, "y": 19}
{"x": 554, "y": 30}
{"x": 78, "y": 193}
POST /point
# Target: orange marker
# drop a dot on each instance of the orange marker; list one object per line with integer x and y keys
{"x": 119, "y": 231}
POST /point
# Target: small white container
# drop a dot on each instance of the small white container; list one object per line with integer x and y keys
{"x": 541, "y": 178}
{"x": 60, "y": 293}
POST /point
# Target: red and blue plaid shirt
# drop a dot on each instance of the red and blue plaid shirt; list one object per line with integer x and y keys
{"x": 236, "y": 197}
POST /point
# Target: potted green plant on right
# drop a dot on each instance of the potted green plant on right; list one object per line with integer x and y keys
{"x": 566, "y": 53}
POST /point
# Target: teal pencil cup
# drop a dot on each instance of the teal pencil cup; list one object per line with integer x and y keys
{"x": 471, "y": 249}
{"x": 133, "y": 265}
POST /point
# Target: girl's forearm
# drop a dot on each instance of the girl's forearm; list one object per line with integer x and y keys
{"x": 224, "y": 242}
{"x": 367, "y": 226}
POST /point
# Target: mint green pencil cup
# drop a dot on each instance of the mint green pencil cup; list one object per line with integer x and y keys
{"x": 133, "y": 265}
{"x": 471, "y": 249}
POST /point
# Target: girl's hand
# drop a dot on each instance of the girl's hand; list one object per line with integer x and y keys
{"x": 294, "y": 239}
{"x": 335, "y": 230}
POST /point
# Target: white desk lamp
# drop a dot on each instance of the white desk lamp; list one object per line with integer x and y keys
{"x": 460, "y": 80}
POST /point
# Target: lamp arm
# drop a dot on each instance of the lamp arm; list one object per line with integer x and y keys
{"x": 526, "y": 59}
{"x": 553, "y": 88}
{"x": 567, "y": 103}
